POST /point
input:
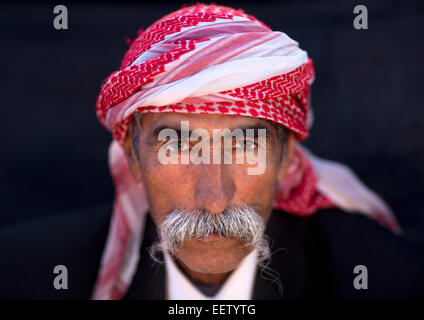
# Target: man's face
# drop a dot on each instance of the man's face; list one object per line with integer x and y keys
{"x": 213, "y": 187}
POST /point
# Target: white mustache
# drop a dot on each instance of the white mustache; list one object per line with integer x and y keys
{"x": 241, "y": 222}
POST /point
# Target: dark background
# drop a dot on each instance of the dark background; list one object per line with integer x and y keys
{"x": 367, "y": 97}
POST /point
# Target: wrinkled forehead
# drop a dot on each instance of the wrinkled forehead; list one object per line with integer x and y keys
{"x": 150, "y": 122}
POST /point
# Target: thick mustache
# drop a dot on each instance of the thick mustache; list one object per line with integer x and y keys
{"x": 241, "y": 222}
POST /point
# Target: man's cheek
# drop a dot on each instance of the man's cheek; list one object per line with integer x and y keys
{"x": 250, "y": 185}
{"x": 170, "y": 185}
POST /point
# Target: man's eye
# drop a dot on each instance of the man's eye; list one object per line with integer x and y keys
{"x": 178, "y": 145}
{"x": 248, "y": 145}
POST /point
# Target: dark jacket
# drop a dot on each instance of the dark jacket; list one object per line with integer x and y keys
{"x": 315, "y": 258}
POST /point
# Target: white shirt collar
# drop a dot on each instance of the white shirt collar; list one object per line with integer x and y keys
{"x": 238, "y": 286}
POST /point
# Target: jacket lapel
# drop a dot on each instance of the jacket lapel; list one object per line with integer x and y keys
{"x": 287, "y": 274}
{"x": 149, "y": 280}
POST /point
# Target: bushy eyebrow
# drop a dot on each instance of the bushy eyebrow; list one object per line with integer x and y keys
{"x": 268, "y": 129}
{"x": 156, "y": 131}
{"x": 256, "y": 127}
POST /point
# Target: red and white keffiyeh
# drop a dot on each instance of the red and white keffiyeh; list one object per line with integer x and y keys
{"x": 211, "y": 59}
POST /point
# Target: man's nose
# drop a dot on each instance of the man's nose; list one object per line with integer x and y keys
{"x": 215, "y": 188}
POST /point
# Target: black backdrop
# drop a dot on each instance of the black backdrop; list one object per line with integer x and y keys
{"x": 367, "y": 97}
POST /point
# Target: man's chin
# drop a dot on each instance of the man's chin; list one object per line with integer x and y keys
{"x": 214, "y": 254}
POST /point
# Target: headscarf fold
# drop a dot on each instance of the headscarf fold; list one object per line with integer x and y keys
{"x": 210, "y": 59}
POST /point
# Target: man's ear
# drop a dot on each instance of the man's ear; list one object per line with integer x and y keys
{"x": 287, "y": 156}
{"x": 133, "y": 162}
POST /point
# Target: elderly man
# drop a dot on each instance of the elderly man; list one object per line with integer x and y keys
{"x": 215, "y": 198}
